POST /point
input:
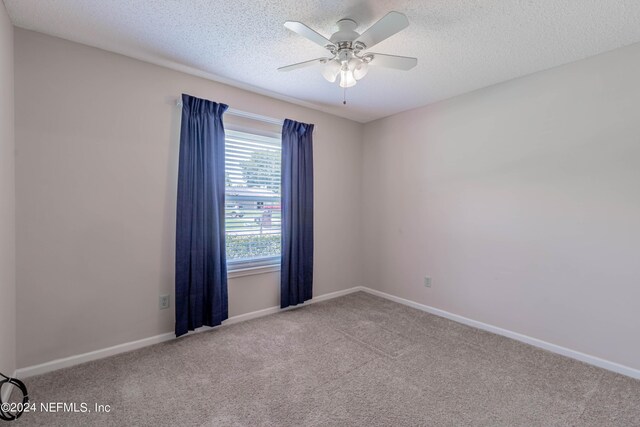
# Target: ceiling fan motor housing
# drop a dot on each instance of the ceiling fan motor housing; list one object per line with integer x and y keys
{"x": 346, "y": 31}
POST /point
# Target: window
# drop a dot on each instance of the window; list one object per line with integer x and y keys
{"x": 252, "y": 199}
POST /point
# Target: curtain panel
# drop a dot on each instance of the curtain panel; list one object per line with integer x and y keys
{"x": 201, "y": 268}
{"x": 296, "y": 270}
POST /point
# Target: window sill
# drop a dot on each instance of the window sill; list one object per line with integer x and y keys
{"x": 250, "y": 271}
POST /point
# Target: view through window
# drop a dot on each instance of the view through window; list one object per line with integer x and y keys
{"x": 252, "y": 199}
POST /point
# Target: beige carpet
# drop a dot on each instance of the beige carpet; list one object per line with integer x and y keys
{"x": 354, "y": 361}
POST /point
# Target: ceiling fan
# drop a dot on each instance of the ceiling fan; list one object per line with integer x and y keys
{"x": 349, "y": 56}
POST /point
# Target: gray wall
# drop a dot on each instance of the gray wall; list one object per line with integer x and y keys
{"x": 522, "y": 201}
{"x": 97, "y": 137}
{"x": 7, "y": 200}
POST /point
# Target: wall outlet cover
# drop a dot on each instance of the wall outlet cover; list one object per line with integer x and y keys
{"x": 164, "y": 302}
{"x": 427, "y": 282}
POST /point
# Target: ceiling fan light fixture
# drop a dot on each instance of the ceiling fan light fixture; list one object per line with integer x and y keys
{"x": 353, "y": 63}
{"x": 347, "y": 79}
{"x": 331, "y": 70}
{"x": 350, "y": 57}
{"x": 361, "y": 70}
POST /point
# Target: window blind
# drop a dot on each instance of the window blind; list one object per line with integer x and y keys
{"x": 252, "y": 199}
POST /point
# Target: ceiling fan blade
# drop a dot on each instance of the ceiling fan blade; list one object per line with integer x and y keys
{"x": 387, "y": 26}
{"x": 304, "y": 64}
{"x": 304, "y": 31}
{"x": 393, "y": 61}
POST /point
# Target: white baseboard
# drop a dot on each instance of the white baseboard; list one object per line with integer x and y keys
{"x": 586, "y": 358}
{"x": 7, "y": 390}
{"x": 134, "y": 345}
{"x": 66, "y": 362}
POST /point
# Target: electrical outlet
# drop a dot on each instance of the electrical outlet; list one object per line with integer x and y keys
{"x": 164, "y": 302}
{"x": 427, "y": 282}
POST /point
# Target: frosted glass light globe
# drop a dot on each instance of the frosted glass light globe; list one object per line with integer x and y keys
{"x": 347, "y": 79}
{"x": 361, "y": 70}
{"x": 331, "y": 70}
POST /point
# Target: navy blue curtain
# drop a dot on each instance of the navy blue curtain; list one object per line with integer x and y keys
{"x": 201, "y": 266}
{"x": 296, "y": 269}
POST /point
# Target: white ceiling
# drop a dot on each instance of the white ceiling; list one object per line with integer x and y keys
{"x": 461, "y": 45}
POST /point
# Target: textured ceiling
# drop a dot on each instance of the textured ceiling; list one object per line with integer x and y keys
{"x": 461, "y": 45}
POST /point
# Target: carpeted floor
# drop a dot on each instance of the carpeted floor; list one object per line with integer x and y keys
{"x": 353, "y": 361}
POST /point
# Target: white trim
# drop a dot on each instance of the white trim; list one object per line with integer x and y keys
{"x": 232, "y": 274}
{"x": 122, "y": 348}
{"x": 8, "y": 389}
{"x": 573, "y": 354}
{"x": 66, "y": 362}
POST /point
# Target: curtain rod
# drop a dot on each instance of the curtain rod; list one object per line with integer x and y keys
{"x": 247, "y": 115}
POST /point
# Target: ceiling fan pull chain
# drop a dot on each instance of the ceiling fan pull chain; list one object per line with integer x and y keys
{"x": 344, "y": 96}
